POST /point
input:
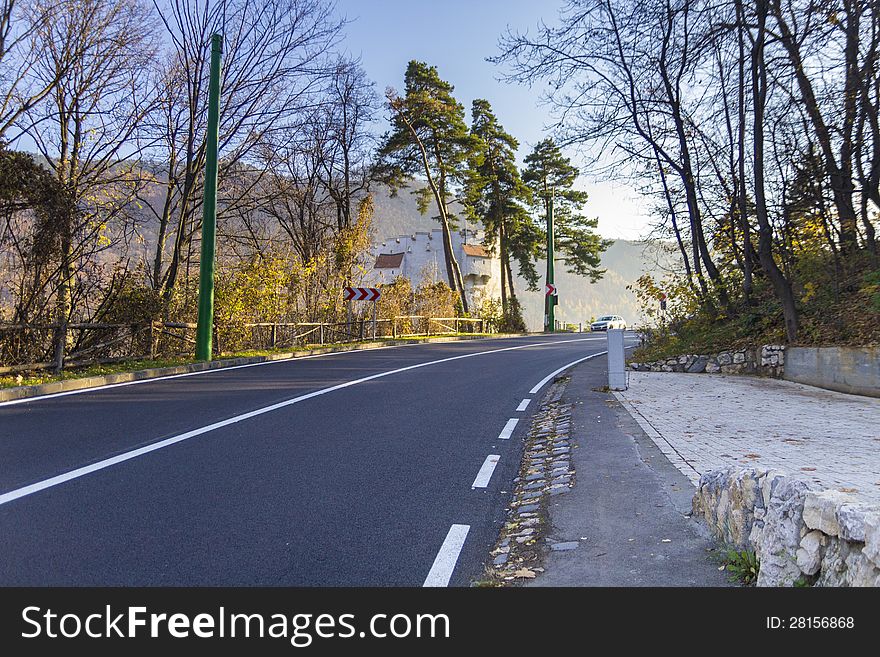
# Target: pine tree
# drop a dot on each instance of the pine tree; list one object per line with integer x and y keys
{"x": 498, "y": 198}
{"x": 577, "y": 244}
{"x": 428, "y": 137}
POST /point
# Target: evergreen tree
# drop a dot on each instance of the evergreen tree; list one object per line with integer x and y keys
{"x": 498, "y": 198}
{"x": 577, "y": 244}
{"x": 428, "y": 137}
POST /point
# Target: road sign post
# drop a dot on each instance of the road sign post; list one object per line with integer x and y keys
{"x": 209, "y": 208}
{"x": 551, "y": 299}
{"x": 362, "y": 294}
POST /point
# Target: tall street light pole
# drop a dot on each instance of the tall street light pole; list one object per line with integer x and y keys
{"x": 209, "y": 208}
{"x": 550, "y": 300}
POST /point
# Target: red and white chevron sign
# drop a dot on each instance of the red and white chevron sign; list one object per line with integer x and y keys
{"x": 550, "y": 290}
{"x": 362, "y": 293}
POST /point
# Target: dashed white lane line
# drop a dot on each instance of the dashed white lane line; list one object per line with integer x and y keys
{"x": 507, "y": 431}
{"x": 447, "y": 557}
{"x": 127, "y": 456}
{"x": 485, "y": 473}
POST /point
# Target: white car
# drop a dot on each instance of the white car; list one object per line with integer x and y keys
{"x": 608, "y": 322}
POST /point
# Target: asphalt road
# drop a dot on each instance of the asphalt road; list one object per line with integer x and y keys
{"x": 355, "y": 486}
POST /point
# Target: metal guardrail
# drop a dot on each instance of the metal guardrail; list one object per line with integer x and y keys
{"x": 28, "y": 347}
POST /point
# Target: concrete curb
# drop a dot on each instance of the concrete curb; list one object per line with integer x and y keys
{"x": 23, "y": 392}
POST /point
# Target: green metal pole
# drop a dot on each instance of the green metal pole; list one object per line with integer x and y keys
{"x": 209, "y": 209}
{"x": 550, "y": 300}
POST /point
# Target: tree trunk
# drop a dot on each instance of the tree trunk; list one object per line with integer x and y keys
{"x": 674, "y": 220}
{"x": 741, "y": 191}
{"x": 452, "y": 261}
{"x": 686, "y": 173}
{"x": 781, "y": 285}
{"x": 839, "y": 175}
{"x": 438, "y": 190}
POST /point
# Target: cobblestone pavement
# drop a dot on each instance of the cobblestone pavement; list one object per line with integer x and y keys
{"x": 546, "y": 471}
{"x": 705, "y": 422}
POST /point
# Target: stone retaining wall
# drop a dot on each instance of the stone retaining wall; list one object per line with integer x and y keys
{"x": 854, "y": 370}
{"x": 800, "y": 535}
{"x": 768, "y": 360}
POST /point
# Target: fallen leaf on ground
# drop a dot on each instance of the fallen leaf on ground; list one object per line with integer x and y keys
{"x": 524, "y": 573}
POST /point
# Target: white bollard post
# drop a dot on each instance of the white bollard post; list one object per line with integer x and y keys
{"x": 616, "y": 360}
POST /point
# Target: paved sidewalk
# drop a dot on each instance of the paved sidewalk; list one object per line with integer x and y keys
{"x": 625, "y": 522}
{"x": 704, "y": 422}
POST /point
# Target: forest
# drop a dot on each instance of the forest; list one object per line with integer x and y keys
{"x": 103, "y": 114}
{"x": 753, "y": 128}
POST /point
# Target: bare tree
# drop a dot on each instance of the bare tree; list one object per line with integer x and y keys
{"x": 21, "y": 21}
{"x": 94, "y": 56}
{"x": 350, "y": 108}
{"x": 621, "y": 78}
{"x": 758, "y": 67}
{"x": 802, "y": 26}
{"x": 274, "y": 65}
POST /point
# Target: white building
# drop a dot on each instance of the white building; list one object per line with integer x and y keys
{"x": 420, "y": 255}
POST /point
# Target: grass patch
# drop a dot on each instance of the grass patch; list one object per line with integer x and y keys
{"x": 37, "y": 378}
{"x": 743, "y": 566}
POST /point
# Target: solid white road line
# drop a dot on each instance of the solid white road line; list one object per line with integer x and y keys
{"x": 447, "y": 557}
{"x": 26, "y": 400}
{"x": 523, "y": 405}
{"x": 485, "y": 473}
{"x": 552, "y": 374}
{"x": 507, "y": 431}
{"x": 126, "y": 456}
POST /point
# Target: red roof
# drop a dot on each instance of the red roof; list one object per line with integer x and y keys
{"x": 475, "y": 250}
{"x": 388, "y": 261}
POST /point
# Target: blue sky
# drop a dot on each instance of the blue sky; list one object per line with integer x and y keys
{"x": 456, "y": 36}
